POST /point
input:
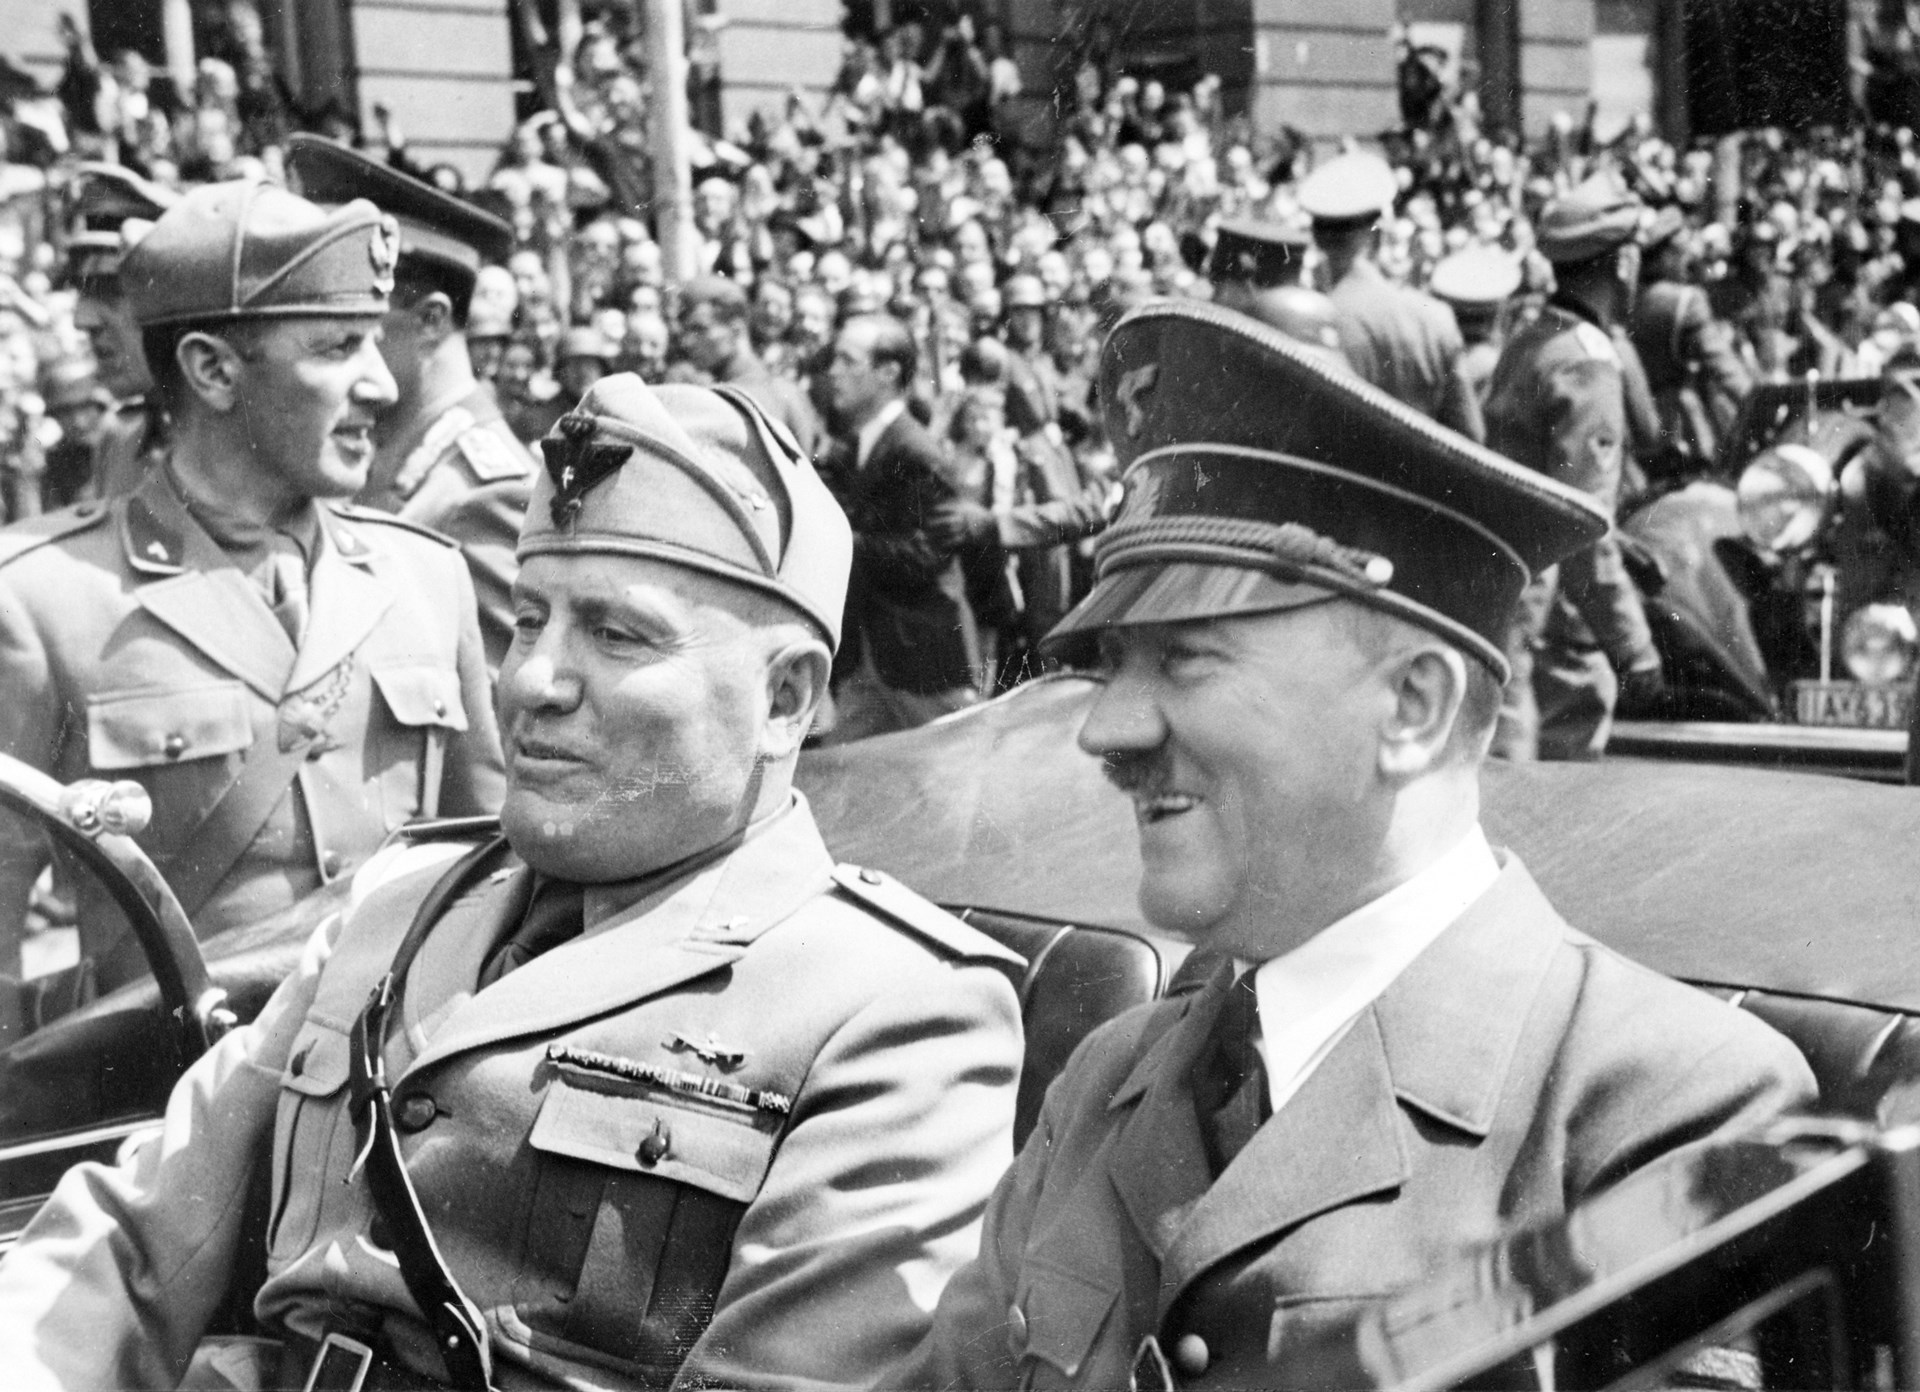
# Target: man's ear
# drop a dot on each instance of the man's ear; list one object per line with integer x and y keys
{"x": 211, "y": 368}
{"x": 796, "y": 684}
{"x": 1429, "y": 683}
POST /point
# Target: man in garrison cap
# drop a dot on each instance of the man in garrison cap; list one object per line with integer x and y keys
{"x": 1402, "y": 341}
{"x": 679, "y": 1101}
{"x": 110, "y": 208}
{"x": 444, "y": 457}
{"x": 1399, "y": 1047}
{"x": 1558, "y": 405}
{"x": 288, "y": 677}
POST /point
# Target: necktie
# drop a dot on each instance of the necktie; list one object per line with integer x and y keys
{"x": 287, "y": 570}
{"x": 1232, "y": 1089}
{"x": 552, "y": 917}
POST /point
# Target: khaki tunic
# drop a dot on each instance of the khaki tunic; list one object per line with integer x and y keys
{"x": 822, "y": 1234}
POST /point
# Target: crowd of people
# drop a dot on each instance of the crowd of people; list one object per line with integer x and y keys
{"x": 913, "y": 192}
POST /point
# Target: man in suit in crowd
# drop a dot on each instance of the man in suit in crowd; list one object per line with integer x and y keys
{"x": 667, "y": 1098}
{"x": 445, "y": 457}
{"x": 1402, "y": 1048}
{"x": 289, "y": 677}
{"x": 1402, "y": 341}
{"x": 714, "y": 334}
{"x": 919, "y": 647}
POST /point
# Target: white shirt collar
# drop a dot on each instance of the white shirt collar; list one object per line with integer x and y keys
{"x": 871, "y": 432}
{"x": 1309, "y": 998}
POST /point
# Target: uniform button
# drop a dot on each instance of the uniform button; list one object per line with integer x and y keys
{"x": 439, "y": 707}
{"x": 1017, "y": 1327}
{"x": 175, "y": 746}
{"x": 330, "y": 864}
{"x": 1192, "y": 1355}
{"x": 316, "y": 751}
{"x": 654, "y": 1148}
{"x": 416, "y": 1112}
{"x": 870, "y": 876}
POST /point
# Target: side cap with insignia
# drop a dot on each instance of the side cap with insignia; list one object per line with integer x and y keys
{"x": 899, "y": 905}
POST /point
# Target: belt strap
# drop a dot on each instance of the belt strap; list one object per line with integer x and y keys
{"x": 455, "y": 1320}
{"x": 224, "y": 834}
{"x": 299, "y": 1355}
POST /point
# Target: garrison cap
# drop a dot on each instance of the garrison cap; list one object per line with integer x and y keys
{"x": 698, "y": 477}
{"x": 1589, "y": 220}
{"x": 1265, "y": 253}
{"x": 434, "y": 225}
{"x": 1476, "y": 277}
{"x": 107, "y": 205}
{"x": 247, "y": 249}
{"x": 1257, "y": 480}
{"x": 1356, "y": 187}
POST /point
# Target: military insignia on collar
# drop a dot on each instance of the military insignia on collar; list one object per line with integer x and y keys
{"x": 383, "y": 249}
{"x": 1128, "y": 391}
{"x": 576, "y": 464}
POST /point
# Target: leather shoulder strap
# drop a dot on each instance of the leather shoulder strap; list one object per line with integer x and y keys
{"x": 886, "y": 898}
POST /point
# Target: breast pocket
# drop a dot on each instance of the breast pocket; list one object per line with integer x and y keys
{"x": 158, "y": 728}
{"x": 425, "y": 707}
{"x": 638, "y": 1193}
{"x": 313, "y": 1136}
{"x": 1056, "y": 1316}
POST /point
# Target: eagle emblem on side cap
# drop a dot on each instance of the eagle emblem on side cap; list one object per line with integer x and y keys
{"x": 383, "y": 249}
{"x": 575, "y": 464}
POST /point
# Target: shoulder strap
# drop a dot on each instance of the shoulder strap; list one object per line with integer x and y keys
{"x": 887, "y": 898}
{"x": 459, "y": 1329}
{"x": 30, "y": 534}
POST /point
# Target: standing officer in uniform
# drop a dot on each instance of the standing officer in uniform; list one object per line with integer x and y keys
{"x": 1299, "y": 615}
{"x": 682, "y": 1103}
{"x": 290, "y": 681}
{"x": 1475, "y": 283}
{"x": 1694, "y": 371}
{"x": 1251, "y": 255}
{"x": 444, "y": 457}
{"x": 1557, "y": 404}
{"x": 111, "y": 207}
{"x": 1402, "y": 341}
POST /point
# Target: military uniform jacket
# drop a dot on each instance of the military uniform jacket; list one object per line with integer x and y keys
{"x": 464, "y": 474}
{"x": 1407, "y": 344}
{"x": 131, "y": 647}
{"x": 1557, "y": 403}
{"x": 1515, "y": 1068}
{"x": 817, "y": 1221}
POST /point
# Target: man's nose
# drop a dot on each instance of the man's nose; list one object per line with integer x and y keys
{"x": 1124, "y": 718}
{"x": 375, "y": 386}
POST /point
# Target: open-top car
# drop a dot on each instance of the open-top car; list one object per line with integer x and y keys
{"x": 1787, "y": 894}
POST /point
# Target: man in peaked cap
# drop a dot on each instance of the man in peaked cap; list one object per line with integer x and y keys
{"x": 289, "y": 678}
{"x": 445, "y": 458}
{"x": 110, "y": 208}
{"x": 682, "y": 1102}
{"x": 1300, "y": 613}
{"x": 1558, "y": 404}
{"x": 1475, "y": 283}
{"x": 1250, "y": 255}
{"x": 1402, "y": 341}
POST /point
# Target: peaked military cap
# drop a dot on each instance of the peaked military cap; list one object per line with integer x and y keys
{"x": 107, "y": 206}
{"x": 695, "y": 476}
{"x": 1476, "y": 277}
{"x": 247, "y": 249}
{"x": 1265, "y": 253}
{"x": 1589, "y": 220}
{"x": 1356, "y": 187}
{"x": 1257, "y": 479}
{"x": 434, "y": 225}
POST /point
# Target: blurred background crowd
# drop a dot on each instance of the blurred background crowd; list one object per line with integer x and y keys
{"x": 999, "y": 263}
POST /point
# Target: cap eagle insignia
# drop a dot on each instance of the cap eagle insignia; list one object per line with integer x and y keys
{"x": 383, "y": 250}
{"x": 576, "y": 464}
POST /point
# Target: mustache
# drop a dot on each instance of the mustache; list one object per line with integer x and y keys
{"x": 1144, "y": 774}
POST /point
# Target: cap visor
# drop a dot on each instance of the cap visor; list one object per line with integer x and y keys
{"x": 1177, "y": 592}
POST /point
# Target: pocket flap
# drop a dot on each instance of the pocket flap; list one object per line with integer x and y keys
{"x": 142, "y": 729}
{"x": 318, "y": 1065}
{"x": 422, "y": 695}
{"x": 1062, "y": 1313}
{"x": 684, "y": 1140}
